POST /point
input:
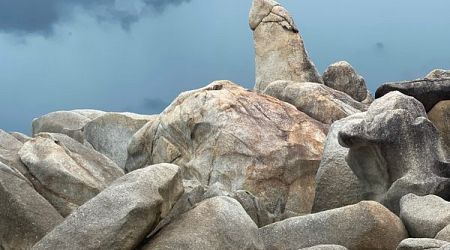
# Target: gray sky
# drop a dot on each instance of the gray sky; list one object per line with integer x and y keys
{"x": 138, "y": 55}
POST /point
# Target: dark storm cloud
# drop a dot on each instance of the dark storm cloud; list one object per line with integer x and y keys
{"x": 39, "y": 16}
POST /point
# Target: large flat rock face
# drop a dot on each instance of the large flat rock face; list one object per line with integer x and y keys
{"x": 366, "y": 225}
{"x": 122, "y": 215}
{"x": 216, "y": 223}
{"x": 25, "y": 216}
{"x": 428, "y": 91}
{"x": 66, "y": 172}
{"x": 280, "y": 52}
{"x": 225, "y": 133}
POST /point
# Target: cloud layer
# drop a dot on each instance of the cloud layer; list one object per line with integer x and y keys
{"x": 39, "y": 16}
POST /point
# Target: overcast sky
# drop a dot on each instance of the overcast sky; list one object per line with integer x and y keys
{"x": 138, "y": 55}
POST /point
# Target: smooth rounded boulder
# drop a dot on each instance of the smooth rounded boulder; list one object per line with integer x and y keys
{"x": 216, "y": 223}
{"x": 423, "y": 244}
{"x": 122, "y": 215}
{"x": 245, "y": 141}
{"x": 366, "y": 225}
{"x": 439, "y": 115}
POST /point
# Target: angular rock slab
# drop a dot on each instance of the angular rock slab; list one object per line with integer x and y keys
{"x": 111, "y": 133}
{"x": 25, "y": 216}
{"x": 68, "y": 173}
{"x": 424, "y": 216}
{"x": 280, "y": 52}
{"x": 428, "y": 91}
{"x": 423, "y": 244}
{"x": 245, "y": 141}
{"x": 336, "y": 184}
{"x": 439, "y": 115}
{"x": 366, "y": 225}
{"x": 342, "y": 76}
{"x": 316, "y": 100}
{"x": 122, "y": 215}
{"x": 394, "y": 150}
{"x": 216, "y": 223}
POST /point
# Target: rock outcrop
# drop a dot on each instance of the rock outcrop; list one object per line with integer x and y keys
{"x": 316, "y": 100}
{"x": 216, "y": 223}
{"x": 67, "y": 173}
{"x": 225, "y": 133}
{"x": 394, "y": 150}
{"x": 279, "y": 48}
{"x": 111, "y": 133}
{"x": 424, "y": 216}
{"x": 122, "y": 215}
{"x": 366, "y": 225}
{"x": 428, "y": 91}
{"x": 438, "y": 73}
{"x": 25, "y": 216}
{"x": 20, "y": 137}
{"x": 342, "y": 77}
{"x": 439, "y": 115}
{"x": 444, "y": 234}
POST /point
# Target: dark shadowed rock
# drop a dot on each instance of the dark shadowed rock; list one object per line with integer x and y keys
{"x": 67, "y": 172}
{"x": 25, "y": 216}
{"x": 280, "y": 52}
{"x": 216, "y": 223}
{"x": 423, "y": 244}
{"x": 111, "y": 133}
{"x": 366, "y": 225}
{"x": 438, "y": 73}
{"x": 424, "y": 216}
{"x": 336, "y": 184}
{"x": 427, "y": 91}
{"x": 342, "y": 77}
{"x": 439, "y": 115}
{"x": 121, "y": 215}
{"x": 245, "y": 141}
{"x": 394, "y": 150}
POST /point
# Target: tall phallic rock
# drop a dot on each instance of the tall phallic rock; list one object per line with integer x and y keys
{"x": 245, "y": 141}
{"x": 280, "y": 52}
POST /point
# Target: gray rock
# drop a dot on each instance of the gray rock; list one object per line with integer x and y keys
{"x": 424, "y": 216}
{"x": 444, "y": 234}
{"x": 20, "y": 137}
{"x": 316, "y": 100}
{"x": 438, "y": 73}
{"x": 280, "y": 52}
{"x": 111, "y": 133}
{"x": 366, "y": 225}
{"x": 68, "y": 172}
{"x": 394, "y": 150}
{"x": 227, "y": 134}
{"x": 439, "y": 115}
{"x": 122, "y": 215}
{"x": 9, "y": 148}
{"x": 336, "y": 184}
{"x": 423, "y": 244}
{"x": 427, "y": 91}
{"x": 325, "y": 247}
{"x": 342, "y": 77}
{"x": 216, "y": 223}
{"x": 25, "y": 216}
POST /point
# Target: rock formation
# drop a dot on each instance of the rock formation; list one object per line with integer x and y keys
{"x": 438, "y": 73}
{"x": 439, "y": 115}
{"x": 280, "y": 52}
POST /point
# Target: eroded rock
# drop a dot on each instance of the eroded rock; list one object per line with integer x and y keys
{"x": 438, "y": 73}
{"x": 423, "y": 244}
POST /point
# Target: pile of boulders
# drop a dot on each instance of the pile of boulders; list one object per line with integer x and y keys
{"x": 302, "y": 162}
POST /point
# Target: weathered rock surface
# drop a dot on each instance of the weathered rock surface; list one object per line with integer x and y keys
{"x": 336, "y": 184}
{"x": 424, "y": 216}
{"x": 366, "y": 225}
{"x": 224, "y": 133}
{"x": 325, "y": 247}
{"x": 20, "y": 137}
{"x": 423, "y": 244}
{"x": 121, "y": 215}
{"x": 444, "y": 234}
{"x": 67, "y": 172}
{"x": 216, "y": 223}
{"x": 316, "y": 100}
{"x": 111, "y": 133}
{"x": 394, "y": 150}
{"x": 428, "y": 91}
{"x": 25, "y": 216}
{"x": 342, "y": 77}
{"x": 438, "y": 73}
{"x": 439, "y": 115}
{"x": 9, "y": 148}
{"x": 280, "y": 52}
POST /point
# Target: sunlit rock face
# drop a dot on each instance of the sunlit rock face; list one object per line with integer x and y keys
{"x": 280, "y": 52}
